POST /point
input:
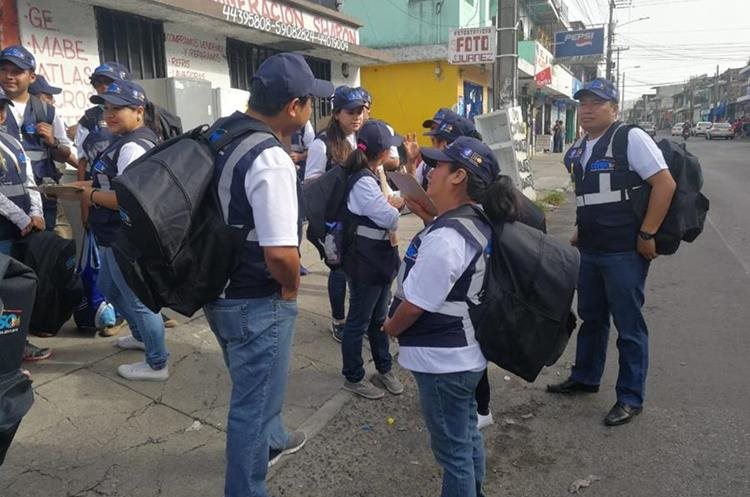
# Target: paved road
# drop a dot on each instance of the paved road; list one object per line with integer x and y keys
{"x": 693, "y": 438}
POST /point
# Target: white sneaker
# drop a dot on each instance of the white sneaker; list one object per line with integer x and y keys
{"x": 142, "y": 371}
{"x": 484, "y": 421}
{"x": 129, "y": 342}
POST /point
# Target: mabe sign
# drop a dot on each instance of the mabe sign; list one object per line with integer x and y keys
{"x": 472, "y": 45}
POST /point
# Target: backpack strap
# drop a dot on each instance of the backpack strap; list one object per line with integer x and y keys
{"x": 225, "y": 131}
{"x": 42, "y": 112}
{"x": 619, "y": 146}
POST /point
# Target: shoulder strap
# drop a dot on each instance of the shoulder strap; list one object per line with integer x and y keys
{"x": 42, "y": 112}
{"x": 89, "y": 118}
{"x": 144, "y": 141}
{"x": 620, "y": 146}
{"x": 223, "y": 132}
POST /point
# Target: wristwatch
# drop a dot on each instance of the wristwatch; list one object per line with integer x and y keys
{"x": 646, "y": 236}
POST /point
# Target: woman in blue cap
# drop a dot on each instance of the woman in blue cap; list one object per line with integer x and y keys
{"x": 129, "y": 117}
{"x": 331, "y": 148}
{"x": 370, "y": 261}
{"x": 442, "y": 270}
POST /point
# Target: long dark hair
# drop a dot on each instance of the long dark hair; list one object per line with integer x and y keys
{"x": 499, "y": 199}
{"x": 338, "y": 148}
{"x": 151, "y": 119}
{"x": 359, "y": 159}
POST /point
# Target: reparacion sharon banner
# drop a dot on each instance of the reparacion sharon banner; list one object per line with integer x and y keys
{"x": 583, "y": 43}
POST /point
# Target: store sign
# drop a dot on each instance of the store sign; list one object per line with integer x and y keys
{"x": 472, "y": 45}
{"x": 543, "y": 57}
{"x": 543, "y": 77}
{"x": 284, "y": 20}
{"x": 583, "y": 43}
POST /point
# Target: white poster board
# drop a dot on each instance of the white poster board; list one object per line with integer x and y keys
{"x": 195, "y": 54}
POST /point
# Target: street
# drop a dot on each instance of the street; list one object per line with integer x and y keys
{"x": 693, "y": 438}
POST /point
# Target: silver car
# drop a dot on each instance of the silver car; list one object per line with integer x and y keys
{"x": 720, "y": 130}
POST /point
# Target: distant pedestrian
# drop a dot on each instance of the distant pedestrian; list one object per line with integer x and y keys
{"x": 557, "y": 137}
{"x": 616, "y": 250}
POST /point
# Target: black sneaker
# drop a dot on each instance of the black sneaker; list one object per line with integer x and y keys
{"x": 337, "y": 330}
{"x": 296, "y": 441}
{"x": 33, "y": 353}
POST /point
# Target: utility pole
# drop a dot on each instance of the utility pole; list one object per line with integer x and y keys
{"x": 610, "y": 37}
{"x": 622, "y": 94}
{"x": 506, "y": 63}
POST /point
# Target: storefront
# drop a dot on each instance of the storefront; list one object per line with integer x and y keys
{"x": 219, "y": 42}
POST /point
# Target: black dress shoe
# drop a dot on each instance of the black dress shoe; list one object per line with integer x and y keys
{"x": 621, "y": 414}
{"x": 572, "y": 386}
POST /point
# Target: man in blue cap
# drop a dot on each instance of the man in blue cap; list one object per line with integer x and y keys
{"x": 616, "y": 249}
{"x": 254, "y": 319}
{"x": 92, "y": 135}
{"x": 34, "y": 123}
{"x": 45, "y": 91}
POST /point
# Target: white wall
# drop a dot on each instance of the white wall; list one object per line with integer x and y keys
{"x": 338, "y": 79}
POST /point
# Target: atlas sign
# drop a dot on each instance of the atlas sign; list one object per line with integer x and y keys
{"x": 583, "y": 43}
{"x": 472, "y": 45}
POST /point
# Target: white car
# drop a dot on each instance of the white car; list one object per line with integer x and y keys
{"x": 648, "y": 128}
{"x": 701, "y": 128}
{"x": 677, "y": 129}
{"x": 720, "y": 130}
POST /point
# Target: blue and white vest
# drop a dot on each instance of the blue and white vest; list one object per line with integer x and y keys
{"x": 12, "y": 182}
{"x": 105, "y": 223}
{"x": 450, "y": 326}
{"x": 251, "y": 278}
{"x": 604, "y": 214}
{"x": 36, "y": 151}
{"x": 369, "y": 256}
{"x": 98, "y": 138}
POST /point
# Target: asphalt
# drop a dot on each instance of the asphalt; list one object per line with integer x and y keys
{"x": 91, "y": 433}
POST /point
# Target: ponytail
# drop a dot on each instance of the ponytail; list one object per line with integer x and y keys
{"x": 360, "y": 158}
{"x": 499, "y": 199}
{"x": 152, "y": 119}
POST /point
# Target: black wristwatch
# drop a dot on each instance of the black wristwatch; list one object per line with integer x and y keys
{"x": 646, "y": 236}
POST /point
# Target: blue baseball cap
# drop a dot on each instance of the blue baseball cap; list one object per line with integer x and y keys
{"x": 468, "y": 152}
{"x": 4, "y": 98}
{"x": 441, "y": 115}
{"x": 365, "y": 96}
{"x": 287, "y": 76}
{"x": 374, "y": 136}
{"x": 602, "y": 88}
{"x": 112, "y": 70}
{"x": 452, "y": 127}
{"x": 346, "y": 97}
{"x": 122, "y": 94}
{"x": 40, "y": 85}
{"x": 19, "y": 56}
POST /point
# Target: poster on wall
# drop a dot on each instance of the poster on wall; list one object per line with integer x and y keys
{"x": 62, "y": 37}
{"x": 473, "y": 101}
{"x": 194, "y": 54}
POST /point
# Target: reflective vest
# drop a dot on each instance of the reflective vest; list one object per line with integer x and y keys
{"x": 604, "y": 213}
{"x": 369, "y": 256}
{"x": 251, "y": 278}
{"x": 105, "y": 223}
{"x": 12, "y": 182}
{"x": 98, "y": 138}
{"x": 36, "y": 151}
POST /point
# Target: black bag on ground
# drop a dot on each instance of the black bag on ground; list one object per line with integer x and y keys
{"x": 174, "y": 249}
{"x": 323, "y": 198}
{"x": 523, "y": 321}
{"x": 687, "y": 212}
{"x": 59, "y": 290}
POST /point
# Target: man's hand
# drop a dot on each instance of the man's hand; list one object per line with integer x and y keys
{"x": 574, "y": 238}
{"x": 37, "y": 223}
{"x": 289, "y": 293}
{"x": 28, "y": 229}
{"x": 647, "y": 249}
{"x": 47, "y": 133}
{"x": 388, "y": 329}
{"x": 412, "y": 153}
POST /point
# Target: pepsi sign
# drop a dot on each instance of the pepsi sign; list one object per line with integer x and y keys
{"x": 583, "y": 43}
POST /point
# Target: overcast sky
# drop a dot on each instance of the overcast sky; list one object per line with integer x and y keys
{"x": 680, "y": 39}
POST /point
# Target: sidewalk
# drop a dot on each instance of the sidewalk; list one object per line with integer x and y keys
{"x": 91, "y": 432}
{"x": 549, "y": 173}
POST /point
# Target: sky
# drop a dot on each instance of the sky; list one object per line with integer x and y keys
{"x": 681, "y": 38}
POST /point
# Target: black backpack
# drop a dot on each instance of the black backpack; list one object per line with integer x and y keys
{"x": 687, "y": 212}
{"x": 323, "y": 198}
{"x": 169, "y": 124}
{"x": 174, "y": 249}
{"x": 59, "y": 290}
{"x": 523, "y": 320}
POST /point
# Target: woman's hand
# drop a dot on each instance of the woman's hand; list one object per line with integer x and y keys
{"x": 397, "y": 202}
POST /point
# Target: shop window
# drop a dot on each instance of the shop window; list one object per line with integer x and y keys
{"x": 245, "y": 58}
{"x": 133, "y": 41}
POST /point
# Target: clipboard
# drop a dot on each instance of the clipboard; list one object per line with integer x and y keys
{"x": 65, "y": 192}
{"x": 409, "y": 188}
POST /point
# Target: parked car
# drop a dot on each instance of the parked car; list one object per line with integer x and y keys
{"x": 677, "y": 129}
{"x": 701, "y": 128}
{"x": 648, "y": 128}
{"x": 720, "y": 130}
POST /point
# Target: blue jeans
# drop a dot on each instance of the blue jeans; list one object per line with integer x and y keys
{"x": 368, "y": 308}
{"x": 5, "y": 246}
{"x": 337, "y": 293}
{"x": 146, "y": 326}
{"x": 450, "y": 413}
{"x": 612, "y": 283}
{"x": 256, "y": 337}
